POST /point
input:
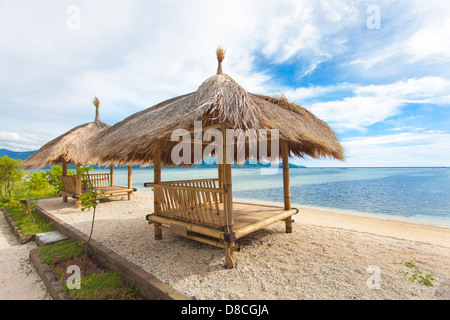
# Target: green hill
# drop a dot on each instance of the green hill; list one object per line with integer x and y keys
{"x": 16, "y": 155}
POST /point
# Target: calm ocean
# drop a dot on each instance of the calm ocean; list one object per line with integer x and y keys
{"x": 420, "y": 195}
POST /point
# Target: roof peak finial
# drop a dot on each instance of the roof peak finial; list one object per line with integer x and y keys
{"x": 96, "y": 103}
{"x": 220, "y": 56}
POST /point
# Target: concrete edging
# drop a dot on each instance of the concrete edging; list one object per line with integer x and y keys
{"x": 150, "y": 287}
{"x": 53, "y": 285}
{"x": 16, "y": 230}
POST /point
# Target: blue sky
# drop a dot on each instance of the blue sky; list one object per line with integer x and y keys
{"x": 378, "y": 72}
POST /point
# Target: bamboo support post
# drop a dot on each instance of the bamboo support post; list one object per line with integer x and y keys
{"x": 130, "y": 174}
{"x": 157, "y": 179}
{"x": 111, "y": 171}
{"x": 230, "y": 260}
{"x": 220, "y": 173}
{"x": 64, "y": 173}
{"x": 78, "y": 186}
{"x": 286, "y": 184}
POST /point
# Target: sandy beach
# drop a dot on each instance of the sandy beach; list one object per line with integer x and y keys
{"x": 328, "y": 256}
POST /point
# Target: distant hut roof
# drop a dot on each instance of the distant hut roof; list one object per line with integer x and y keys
{"x": 218, "y": 100}
{"x": 70, "y": 147}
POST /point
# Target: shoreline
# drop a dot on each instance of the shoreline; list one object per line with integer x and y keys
{"x": 399, "y": 229}
{"x": 381, "y": 216}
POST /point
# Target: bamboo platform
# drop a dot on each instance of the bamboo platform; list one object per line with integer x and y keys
{"x": 248, "y": 218}
{"x": 204, "y": 210}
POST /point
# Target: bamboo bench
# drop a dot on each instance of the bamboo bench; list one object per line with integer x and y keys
{"x": 195, "y": 209}
{"x": 97, "y": 181}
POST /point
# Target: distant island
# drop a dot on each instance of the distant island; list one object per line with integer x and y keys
{"x": 26, "y": 154}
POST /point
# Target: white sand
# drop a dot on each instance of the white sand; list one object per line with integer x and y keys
{"x": 19, "y": 279}
{"x": 328, "y": 256}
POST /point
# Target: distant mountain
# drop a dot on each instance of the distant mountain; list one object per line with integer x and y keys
{"x": 247, "y": 165}
{"x": 24, "y": 155}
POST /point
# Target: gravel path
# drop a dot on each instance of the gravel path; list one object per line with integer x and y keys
{"x": 19, "y": 279}
{"x": 316, "y": 261}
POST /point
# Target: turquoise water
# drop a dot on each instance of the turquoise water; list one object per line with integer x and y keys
{"x": 420, "y": 195}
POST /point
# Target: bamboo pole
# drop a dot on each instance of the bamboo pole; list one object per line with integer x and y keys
{"x": 64, "y": 173}
{"x": 191, "y": 227}
{"x": 286, "y": 183}
{"x": 220, "y": 173}
{"x": 78, "y": 187}
{"x": 130, "y": 175}
{"x": 111, "y": 171}
{"x": 199, "y": 189}
{"x": 230, "y": 260}
{"x": 200, "y": 239}
{"x": 157, "y": 180}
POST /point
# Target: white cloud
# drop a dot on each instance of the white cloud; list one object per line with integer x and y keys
{"x": 402, "y": 149}
{"x": 371, "y": 104}
{"x": 420, "y": 39}
{"x": 15, "y": 142}
{"x": 408, "y": 149}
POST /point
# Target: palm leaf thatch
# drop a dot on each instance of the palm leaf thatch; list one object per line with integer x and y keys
{"x": 70, "y": 146}
{"x": 219, "y": 100}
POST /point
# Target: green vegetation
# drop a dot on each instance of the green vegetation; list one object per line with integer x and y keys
{"x": 414, "y": 274}
{"x": 27, "y": 226}
{"x": 98, "y": 283}
{"x": 89, "y": 200}
{"x": 17, "y": 184}
{"x": 59, "y": 251}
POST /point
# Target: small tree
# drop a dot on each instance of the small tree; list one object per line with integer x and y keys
{"x": 35, "y": 181}
{"x": 10, "y": 172}
{"x": 89, "y": 200}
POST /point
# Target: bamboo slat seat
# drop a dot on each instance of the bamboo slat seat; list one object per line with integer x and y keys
{"x": 100, "y": 182}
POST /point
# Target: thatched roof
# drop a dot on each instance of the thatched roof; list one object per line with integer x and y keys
{"x": 218, "y": 100}
{"x": 70, "y": 147}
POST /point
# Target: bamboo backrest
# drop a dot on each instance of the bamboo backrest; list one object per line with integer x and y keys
{"x": 69, "y": 183}
{"x": 196, "y": 201}
{"x": 98, "y": 180}
{"x": 88, "y": 181}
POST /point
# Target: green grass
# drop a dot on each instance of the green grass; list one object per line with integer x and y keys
{"x": 59, "y": 251}
{"x": 106, "y": 285}
{"x": 25, "y": 223}
{"x": 98, "y": 283}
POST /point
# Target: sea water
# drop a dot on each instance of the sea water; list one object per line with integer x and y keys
{"x": 420, "y": 195}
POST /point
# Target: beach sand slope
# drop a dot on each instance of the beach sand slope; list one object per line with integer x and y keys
{"x": 328, "y": 256}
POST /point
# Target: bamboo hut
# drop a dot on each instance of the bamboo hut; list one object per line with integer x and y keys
{"x": 71, "y": 148}
{"x": 204, "y": 210}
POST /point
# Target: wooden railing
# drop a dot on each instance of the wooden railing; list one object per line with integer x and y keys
{"x": 99, "y": 180}
{"x": 196, "y": 201}
{"x": 96, "y": 180}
